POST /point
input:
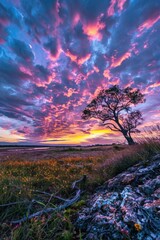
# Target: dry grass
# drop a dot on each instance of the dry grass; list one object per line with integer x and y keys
{"x": 54, "y": 171}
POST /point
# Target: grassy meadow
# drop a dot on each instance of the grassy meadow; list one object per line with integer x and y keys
{"x": 26, "y": 173}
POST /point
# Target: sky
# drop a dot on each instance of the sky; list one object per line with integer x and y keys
{"x": 56, "y": 55}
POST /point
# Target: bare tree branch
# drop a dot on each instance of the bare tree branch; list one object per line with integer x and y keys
{"x": 114, "y": 127}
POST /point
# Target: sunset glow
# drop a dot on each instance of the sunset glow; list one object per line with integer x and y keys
{"x": 56, "y": 55}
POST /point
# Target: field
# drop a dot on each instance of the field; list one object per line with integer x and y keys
{"x": 32, "y": 179}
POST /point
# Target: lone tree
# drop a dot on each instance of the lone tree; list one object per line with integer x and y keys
{"x": 113, "y": 107}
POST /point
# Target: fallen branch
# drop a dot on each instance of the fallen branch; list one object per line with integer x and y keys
{"x": 13, "y": 203}
{"x": 41, "y": 192}
{"x": 81, "y": 180}
{"x": 50, "y": 195}
{"x": 67, "y": 203}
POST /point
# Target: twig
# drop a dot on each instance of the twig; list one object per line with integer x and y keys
{"x": 13, "y": 203}
{"x": 30, "y": 206}
{"x": 50, "y": 195}
{"x": 67, "y": 203}
{"x": 41, "y": 192}
{"x": 49, "y": 210}
{"x": 83, "y": 179}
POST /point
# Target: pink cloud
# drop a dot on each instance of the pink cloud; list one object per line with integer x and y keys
{"x": 117, "y": 62}
{"x": 115, "y": 81}
{"x": 121, "y": 4}
{"x": 96, "y": 69}
{"x": 70, "y": 92}
{"x": 110, "y": 10}
{"x": 77, "y": 59}
{"x": 148, "y": 24}
{"x": 107, "y": 73}
{"x": 92, "y": 30}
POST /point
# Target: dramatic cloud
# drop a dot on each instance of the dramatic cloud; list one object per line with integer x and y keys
{"x": 22, "y": 50}
{"x": 56, "y": 55}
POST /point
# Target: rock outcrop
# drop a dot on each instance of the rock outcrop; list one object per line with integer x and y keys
{"x": 125, "y": 207}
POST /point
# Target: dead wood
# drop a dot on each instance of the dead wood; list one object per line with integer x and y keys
{"x": 13, "y": 203}
{"x": 67, "y": 203}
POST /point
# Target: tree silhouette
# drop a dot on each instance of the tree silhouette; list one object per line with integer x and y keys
{"x": 113, "y": 107}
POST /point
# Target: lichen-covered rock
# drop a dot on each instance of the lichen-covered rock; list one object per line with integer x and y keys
{"x": 126, "y": 207}
{"x": 128, "y": 178}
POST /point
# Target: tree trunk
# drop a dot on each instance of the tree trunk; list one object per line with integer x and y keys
{"x": 128, "y": 137}
{"x": 129, "y": 140}
{"x": 125, "y": 133}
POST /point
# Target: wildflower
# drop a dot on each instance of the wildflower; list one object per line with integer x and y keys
{"x": 137, "y": 227}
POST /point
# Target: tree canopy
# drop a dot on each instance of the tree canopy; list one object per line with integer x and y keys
{"x": 113, "y": 107}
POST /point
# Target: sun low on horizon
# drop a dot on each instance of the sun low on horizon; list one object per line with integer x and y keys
{"x": 55, "y": 57}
